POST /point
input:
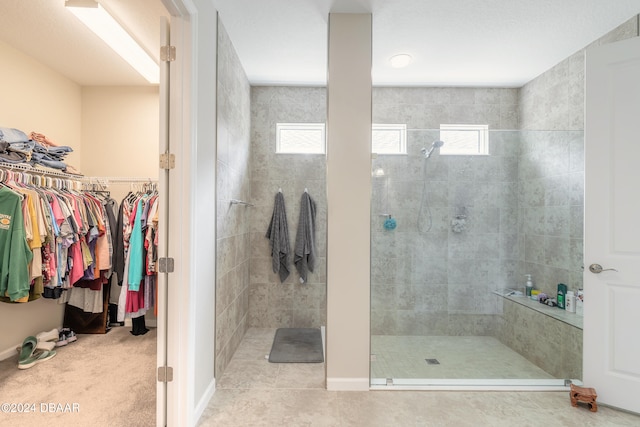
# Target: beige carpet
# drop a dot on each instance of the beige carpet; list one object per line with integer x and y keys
{"x": 100, "y": 380}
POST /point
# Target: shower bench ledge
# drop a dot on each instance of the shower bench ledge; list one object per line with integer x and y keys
{"x": 571, "y": 319}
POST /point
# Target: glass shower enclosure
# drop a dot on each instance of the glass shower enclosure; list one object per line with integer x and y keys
{"x": 453, "y": 236}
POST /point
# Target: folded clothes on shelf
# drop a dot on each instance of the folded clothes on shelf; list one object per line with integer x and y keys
{"x": 16, "y": 147}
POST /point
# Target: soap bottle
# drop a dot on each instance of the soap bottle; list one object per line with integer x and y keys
{"x": 529, "y": 286}
{"x": 570, "y": 302}
{"x": 562, "y": 293}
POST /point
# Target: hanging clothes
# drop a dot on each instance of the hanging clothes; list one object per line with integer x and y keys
{"x": 67, "y": 233}
{"x": 16, "y": 254}
{"x": 136, "y": 257}
{"x": 59, "y": 242}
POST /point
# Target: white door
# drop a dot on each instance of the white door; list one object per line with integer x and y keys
{"x": 612, "y": 224}
{"x": 163, "y": 229}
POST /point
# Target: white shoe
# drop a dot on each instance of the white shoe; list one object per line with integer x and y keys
{"x": 51, "y": 335}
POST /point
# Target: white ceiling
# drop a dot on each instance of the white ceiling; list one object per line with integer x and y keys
{"x": 453, "y": 42}
{"x": 46, "y": 31}
{"x": 501, "y": 43}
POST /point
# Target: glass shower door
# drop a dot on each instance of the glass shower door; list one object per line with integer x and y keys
{"x": 462, "y": 234}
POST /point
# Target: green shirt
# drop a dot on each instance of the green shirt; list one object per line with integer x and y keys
{"x": 15, "y": 254}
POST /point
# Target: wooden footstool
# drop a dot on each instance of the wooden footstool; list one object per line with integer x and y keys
{"x": 585, "y": 395}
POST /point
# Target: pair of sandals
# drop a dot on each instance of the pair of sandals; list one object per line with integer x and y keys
{"x": 37, "y": 349}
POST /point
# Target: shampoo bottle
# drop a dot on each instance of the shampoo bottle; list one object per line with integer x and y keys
{"x": 562, "y": 293}
{"x": 529, "y": 286}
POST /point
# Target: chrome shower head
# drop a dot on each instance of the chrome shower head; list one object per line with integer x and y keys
{"x": 427, "y": 152}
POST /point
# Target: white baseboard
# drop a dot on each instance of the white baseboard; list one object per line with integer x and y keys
{"x": 348, "y": 384}
{"x": 204, "y": 402}
{"x": 10, "y": 352}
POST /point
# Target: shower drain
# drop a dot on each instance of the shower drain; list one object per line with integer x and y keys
{"x": 432, "y": 361}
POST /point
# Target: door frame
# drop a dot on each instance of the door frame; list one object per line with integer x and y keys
{"x": 193, "y": 382}
{"x": 163, "y": 234}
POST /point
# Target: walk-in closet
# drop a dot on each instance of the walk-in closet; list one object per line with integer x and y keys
{"x": 82, "y": 300}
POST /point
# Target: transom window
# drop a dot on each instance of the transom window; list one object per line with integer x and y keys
{"x": 301, "y": 138}
{"x": 464, "y": 139}
{"x": 309, "y": 138}
{"x": 389, "y": 139}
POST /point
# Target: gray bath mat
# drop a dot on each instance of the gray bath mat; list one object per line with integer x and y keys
{"x": 297, "y": 345}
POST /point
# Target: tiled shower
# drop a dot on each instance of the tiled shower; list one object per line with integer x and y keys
{"x": 522, "y": 211}
{"x": 435, "y": 283}
{"x": 523, "y": 205}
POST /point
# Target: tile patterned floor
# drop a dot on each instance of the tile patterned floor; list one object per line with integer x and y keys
{"x": 250, "y": 369}
{"x": 460, "y": 357}
{"x": 254, "y": 392}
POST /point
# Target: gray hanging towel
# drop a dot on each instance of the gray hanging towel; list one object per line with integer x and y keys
{"x": 278, "y": 235}
{"x": 305, "y": 248}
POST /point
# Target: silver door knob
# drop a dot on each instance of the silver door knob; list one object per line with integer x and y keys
{"x": 597, "y": 269}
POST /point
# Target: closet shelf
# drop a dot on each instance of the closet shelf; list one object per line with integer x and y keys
{"x": 40, "y": 171}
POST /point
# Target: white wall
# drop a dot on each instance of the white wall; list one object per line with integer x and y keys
{"x": 120, "y": 126}
{"x": 203, "y": 234}
{"x": 35, "y": 98}
{"x": 348, "y": 201}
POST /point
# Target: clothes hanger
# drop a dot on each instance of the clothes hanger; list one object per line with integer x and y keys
{"x": 7, "y": 184}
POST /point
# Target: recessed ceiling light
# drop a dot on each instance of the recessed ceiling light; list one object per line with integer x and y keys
{"x": 401, "y": 60}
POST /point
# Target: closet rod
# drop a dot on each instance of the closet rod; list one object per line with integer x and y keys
{"x": 110, "y": 179}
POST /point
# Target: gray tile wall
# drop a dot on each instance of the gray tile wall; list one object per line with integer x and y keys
{"x": 551, "y": 189}
{"x": 551, "y": 173}
{"x": 233, "y": 182}
{"x": 291, "y": 304}
{"x": 552, "y": 345}
{"x": 440, "y": 282}
{"x": 555, "y": 99}
{"x": 551, "y": 203}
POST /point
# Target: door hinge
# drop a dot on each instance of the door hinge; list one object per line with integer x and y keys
{"x": 165, "y": 374}
{"x": 167, "y": 161}
{"x": 165, "y": 265}
{"x": 167, "y": 53}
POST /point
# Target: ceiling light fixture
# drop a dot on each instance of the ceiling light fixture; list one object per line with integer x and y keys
{"x": 401, "y": 60}
{"x": 98, "y": 20}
